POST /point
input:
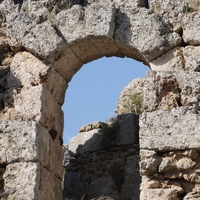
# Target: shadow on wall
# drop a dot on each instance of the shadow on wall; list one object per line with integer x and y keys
{"x": 104, "y": 162}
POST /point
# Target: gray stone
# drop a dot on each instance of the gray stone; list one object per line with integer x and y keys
{"x": 149, "y": 162}
{"x": 170, "y": 130}
{"x": 167, "y": 165}
{"x": 191, "y": 57}
{"x": 170, "y": 61}
{"x": 71, "y": 185}
{"x": 192, "y": 196}
{"x": 71, "y": 23}
{"x": 20, "y": 181}
{"x": 18, "y": 141}
{"x": 100, "y": 19}
{"x": 128, "y": 133}
{"x": 159, "y": 194}
{"x": 100, "y": 187}
{"x": 133, "y": 22}
{"x": 37, "y": 42}
{"x": 20, "y": 24}
{"x": 191, "y": 28}
{"x": 185, "y": 164}
{"x": 85, "y": 141}
{"x": 62, "y": 38}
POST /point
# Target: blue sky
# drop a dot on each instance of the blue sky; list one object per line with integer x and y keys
{"x": 94, "y": 90}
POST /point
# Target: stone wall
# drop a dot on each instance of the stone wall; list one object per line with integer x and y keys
{"x": 43, "y": 44}
{"x": 103, "y": 162}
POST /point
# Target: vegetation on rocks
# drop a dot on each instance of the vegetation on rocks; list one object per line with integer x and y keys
{"x": 134, "y": 104}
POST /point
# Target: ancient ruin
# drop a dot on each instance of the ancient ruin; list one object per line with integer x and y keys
{"x": 44, "y": 43}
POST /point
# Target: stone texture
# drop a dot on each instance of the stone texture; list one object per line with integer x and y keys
{"x": 169, "y": 130}
{"x": 71, "y": 23}
{"x": 18, "y": 141}
{"x": 100, "y": 19}
{"x": 149, "y": 162}
{"x": 131, "y": 98}
{"x": 95, "y": 125}
{"x": 171, "y": 61}
{"x": 159, "y": 194}
{"x": 84, "y": 141}
{"x": 132, "y": 23}
{"x": 191, "y": 28}
{"x": 20, "y": 181}
{"x": 103, "y": 174}
{"x": 20, "y": 24}
{"x": 126, "y": 3}
{"x": 37, "y": 42}
{"x": 120, "y": 131}
{"x": 177, "y": 172}
{"x": 160, "y": 90}
{"x": 175, "y": 11}
{"x": 128, "y": 130}
{"x": 192, "y": 196}
{"x": 191, "y": 57}
{"x": 28, "y": 69}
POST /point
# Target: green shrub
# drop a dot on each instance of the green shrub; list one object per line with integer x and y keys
{"x": 186, "y": 8}
{"x": 134, "y": 104}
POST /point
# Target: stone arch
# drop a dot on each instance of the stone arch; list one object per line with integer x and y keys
{"x": 50, "y": 49}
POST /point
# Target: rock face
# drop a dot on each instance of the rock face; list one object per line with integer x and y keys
{"x": 42, "y": 46}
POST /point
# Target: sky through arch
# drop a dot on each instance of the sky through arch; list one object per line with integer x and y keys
{"x": 94, "y": 90}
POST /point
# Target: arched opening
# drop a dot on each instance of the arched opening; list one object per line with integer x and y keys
{"x": 97, "y": 86}
{"x": 93, "y": 92}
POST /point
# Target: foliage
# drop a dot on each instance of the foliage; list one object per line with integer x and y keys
{"x": 134, "y": 104}
{"x": 186, "y": 8}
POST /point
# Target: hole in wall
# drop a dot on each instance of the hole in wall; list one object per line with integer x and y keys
{"x": 93, "y": 92}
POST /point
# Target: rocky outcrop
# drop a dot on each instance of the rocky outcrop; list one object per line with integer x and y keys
{"x": 44, "y": 43}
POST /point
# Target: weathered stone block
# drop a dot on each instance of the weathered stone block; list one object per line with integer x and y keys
{"x": 67, "y": 64}
{"x": 158, "y": 38}
{"x": 26, "y": 69}
{"x": 85, "y": 141}
{"x": 37, "y": 42}
{"x": 128, "y": 133}
{"x": 159, "y": 194}
{"x": 149, "y": 162}
{"x": 191, "y": 28}
{"x": 126, "y": 3}
{"x": 18, "y": 141}
{"x": 100, "y": 19}
{"x": 21, "y": 181}
{"x": 170, "y": 130}
{"x": 71, "y": 23}
{"x": 49, "y": 182}
{"x": 191, "y": 57}
{"x": 19, "y": 24}
{"x": 170, "y": 61}
{"x": 132, "y": 179}
{"x": 86, "y": 51}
